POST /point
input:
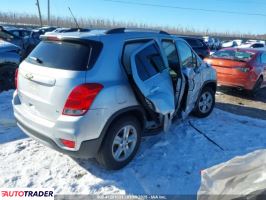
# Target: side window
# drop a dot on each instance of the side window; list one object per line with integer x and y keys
{"x": 263, "y": 58}
{"x": 16, "y": 33}
{"x": 257, "y": 46}
{"x": 149, "y": 62}
{"x": 25, "y": 33}
{"x": 171, "y": 54}
{"x": 129, "y": 48}
{"x": 188, "y": 58}
{"x": 194, "y": 43}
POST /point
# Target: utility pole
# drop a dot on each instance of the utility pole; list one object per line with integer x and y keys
{"x": 39, "y": 10}
{"x": 48, "y": 3}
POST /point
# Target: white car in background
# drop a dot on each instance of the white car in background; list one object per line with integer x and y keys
{"x": 229, "y": 43}
{"x": 238, "y": 42}
{"x": 252, "y": 45}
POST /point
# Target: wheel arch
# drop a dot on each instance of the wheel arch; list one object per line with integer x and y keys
{"x": 136, "y": 111}
{"x": 211, "y": 83}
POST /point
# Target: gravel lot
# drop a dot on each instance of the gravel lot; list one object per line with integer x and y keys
{"x": 241, "y": 103}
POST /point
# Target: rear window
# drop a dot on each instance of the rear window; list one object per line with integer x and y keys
{"x": 234, "y": 55}
{"x": 65, "y": 55}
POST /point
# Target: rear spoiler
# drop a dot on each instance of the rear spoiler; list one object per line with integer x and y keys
{"x": 76, "y": 40}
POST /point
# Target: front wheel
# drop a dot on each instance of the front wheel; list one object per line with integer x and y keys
{"x": 120, "y": 144}
{"x": 205, "y": 103}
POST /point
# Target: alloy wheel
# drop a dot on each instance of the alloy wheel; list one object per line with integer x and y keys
{"x": 124, "y": 143}
{"x": 205, "y": 102}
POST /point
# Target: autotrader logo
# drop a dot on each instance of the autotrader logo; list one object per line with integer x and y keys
{"x": 26, "y": 193}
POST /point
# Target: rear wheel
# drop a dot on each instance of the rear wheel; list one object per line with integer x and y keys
{"x": 205, "y": 103}
{"x": 120, "y": 144}
{"x": 7, "y": 77}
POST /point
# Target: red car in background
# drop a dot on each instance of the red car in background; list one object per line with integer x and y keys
{"x": 240, "y": 68}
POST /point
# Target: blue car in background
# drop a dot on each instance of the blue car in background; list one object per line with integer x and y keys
{"x": 10, "y": 57}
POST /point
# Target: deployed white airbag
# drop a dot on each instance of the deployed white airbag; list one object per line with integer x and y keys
{"x": 242, "y": 176}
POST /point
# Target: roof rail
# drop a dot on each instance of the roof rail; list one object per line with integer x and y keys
{"x": 123, "y": 30}
{"x": 164, "y": 32}
{"x": 115, "y": 30}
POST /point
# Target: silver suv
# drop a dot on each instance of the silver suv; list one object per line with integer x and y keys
{"x": 93, "y": 94}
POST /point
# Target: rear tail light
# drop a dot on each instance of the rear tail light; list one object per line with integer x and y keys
{"x": 68, "y": 143}
{"x": 53, "y": 38}
{"x": 81, "y": 98}
{"x": 16, "y": 78}
{"x": 244, "y": 69}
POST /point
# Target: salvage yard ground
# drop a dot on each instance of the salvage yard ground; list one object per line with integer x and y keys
{"x": 242, "y": 103}
{"x": 168, "y": 163}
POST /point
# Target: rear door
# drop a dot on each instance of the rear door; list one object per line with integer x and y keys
{"x": 153, "y": 80}
{"x": 49, "y": 74}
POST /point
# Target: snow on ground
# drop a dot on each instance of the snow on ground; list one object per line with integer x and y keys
{"x": 166, "y": 163}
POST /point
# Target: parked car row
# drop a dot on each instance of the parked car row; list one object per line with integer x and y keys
{"x": 15, "y": 45}
{"x": 26, "y": 39}
{"x": 241, "y": 44}
{"x": 212, "y": 43}
{"x": 216, "y": 44}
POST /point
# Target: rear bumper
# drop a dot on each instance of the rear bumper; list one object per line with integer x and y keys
{"x": 240, "y": 80}
{"x": 88, "y": 149}
{"x": 86, "y": 131}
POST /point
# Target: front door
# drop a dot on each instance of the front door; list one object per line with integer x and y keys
{"x": 191, "y": 68}
{"x": 178, "y": 79}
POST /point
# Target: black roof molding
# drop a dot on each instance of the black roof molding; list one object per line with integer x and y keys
{"x": 123, "y": 30}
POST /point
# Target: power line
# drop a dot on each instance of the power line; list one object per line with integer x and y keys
{"x": 186, "y": 8}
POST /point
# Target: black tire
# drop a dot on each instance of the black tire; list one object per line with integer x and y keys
{"x": 7, "y": 77}
{"x": 105, "y": 156}
{"x": 257, "y": 87}
{"x": 197, "y": 110}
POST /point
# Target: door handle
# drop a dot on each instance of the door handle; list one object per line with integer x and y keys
{"x": 154, "y": 89}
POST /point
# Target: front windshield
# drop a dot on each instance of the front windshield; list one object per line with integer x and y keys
{"x": 234, "y": 55}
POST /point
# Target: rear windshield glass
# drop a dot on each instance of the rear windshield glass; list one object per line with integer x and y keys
{"x": 234, "y": 55}
{"x": 65, "y": 55}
